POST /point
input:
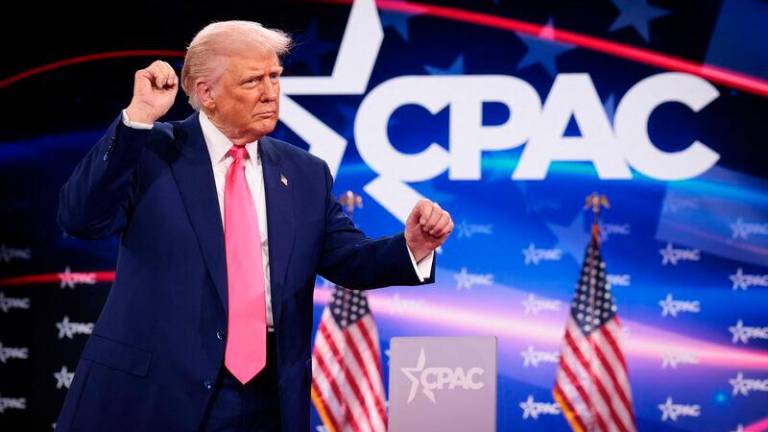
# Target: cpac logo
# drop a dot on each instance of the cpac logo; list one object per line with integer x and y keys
{"x": 533, "y": 255}
{"x": 533, "y": 358}
{"x": 743, "y": 334}
{"x": 534, "y": 305}
{"x": 742, "y": 386}
{"x": 619, "y": 279}
{"x": 606, "y": 230}
{"x": 465, "y": 280}
{"x": 12, "y": 353}
{"x": 742, "y": 230}
{"x": 534, "y": 409}
{"x": 8, "y": 303}
{"x": 70, "y": 279}
{"x": 744, "y": 281}
{"x": 63, "y": 378}
{"x": 12, "y": 403}
{"x": 404, "y": 306}
{"x": 672, "y": 359}
{"x": 441, "y": 378}
{"x": 671, "y": 307}
{"x": 612, "y": 148}
{"x": 467, "y": 230}
{"x": 69, "y": 329}
{"x": 675, "y": 204}
{"x": 670, "y": 255}
{"x": 671, "y": 411}
{"x": 7, "y": 254}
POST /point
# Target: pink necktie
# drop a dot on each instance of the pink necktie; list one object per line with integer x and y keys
{"x": 246, "y": 351}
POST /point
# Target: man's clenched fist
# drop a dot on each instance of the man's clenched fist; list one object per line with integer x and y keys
{"x": 154, "y": 90}
{"x": 428, "y": 226}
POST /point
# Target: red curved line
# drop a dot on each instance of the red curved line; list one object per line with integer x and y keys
{"x": 88, "y": 58}
{"x": 712, "y": 73}
{"x": 715, "y": 74}
{"x": 100, "y": 276}
{"x": 758, "y": 426}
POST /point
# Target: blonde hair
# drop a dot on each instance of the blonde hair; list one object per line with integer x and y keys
{"x": 207, "y": 54}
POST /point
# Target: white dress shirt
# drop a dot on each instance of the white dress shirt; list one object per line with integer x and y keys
{"x": 218, "y": 146}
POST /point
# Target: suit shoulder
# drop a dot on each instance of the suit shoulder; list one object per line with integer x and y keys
{"x": 295, "y": 153}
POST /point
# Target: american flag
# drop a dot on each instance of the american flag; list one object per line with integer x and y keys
{"x": 347, "y": 387}
{"x": 591, "y": 385}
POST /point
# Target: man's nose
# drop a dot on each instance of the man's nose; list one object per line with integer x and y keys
{"x": 271, "y": 90}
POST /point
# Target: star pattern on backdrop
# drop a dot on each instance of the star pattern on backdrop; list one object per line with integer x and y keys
{"x": 455, "y": 68}
{"x": 63, "y": 377}
{"x": 740, "y": 385}
{"x": 543, "y": 50}
{"x": 397, "y": 21}
{"x": 668, "y": 410}
{"x": 572, "y": 238}
{"x": 637, "y": 14}
{"x": 310, "y": 49}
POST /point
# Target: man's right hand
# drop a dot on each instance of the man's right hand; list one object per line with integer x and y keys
{"x": 154, "y": 90}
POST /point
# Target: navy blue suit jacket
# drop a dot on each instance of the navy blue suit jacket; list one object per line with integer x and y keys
{"x": 159, "y": 343}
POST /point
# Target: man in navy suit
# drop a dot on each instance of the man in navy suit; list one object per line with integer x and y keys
{"x": 221, "y": 233}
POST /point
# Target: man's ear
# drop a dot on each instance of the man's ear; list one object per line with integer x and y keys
{"x": 205, "y": 95}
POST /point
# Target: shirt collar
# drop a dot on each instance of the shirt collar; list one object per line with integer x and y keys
{"x": 219, "y": 145}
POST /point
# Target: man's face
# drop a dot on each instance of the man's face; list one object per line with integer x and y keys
{"x": 247, "y": 96}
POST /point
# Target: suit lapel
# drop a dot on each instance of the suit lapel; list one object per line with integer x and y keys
{"x": 278, "y": 188}
{"x": 194, "y": 177}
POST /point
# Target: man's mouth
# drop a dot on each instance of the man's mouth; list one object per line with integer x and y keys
{"x": 266, "y": 114}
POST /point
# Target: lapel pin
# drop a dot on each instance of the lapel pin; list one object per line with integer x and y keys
{"x": 283, "y": 180}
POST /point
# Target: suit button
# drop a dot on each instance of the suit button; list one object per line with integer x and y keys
{"x": 220, "y": 335}
{"x": 208, "y": 385}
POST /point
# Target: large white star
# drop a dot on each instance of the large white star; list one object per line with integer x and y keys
{"x": 351, "y": 74}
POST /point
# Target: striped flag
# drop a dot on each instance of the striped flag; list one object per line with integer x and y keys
{"x": 347, "y": 387}
{"x": 591, "y": 386}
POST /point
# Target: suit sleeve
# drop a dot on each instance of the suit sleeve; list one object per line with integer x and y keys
{"x": 354, "y": 261}
{"x": 94, "y": 202}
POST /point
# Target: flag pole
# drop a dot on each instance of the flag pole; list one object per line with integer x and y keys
{"x": 596, "y": 201}
{"x": 350, "y": 201}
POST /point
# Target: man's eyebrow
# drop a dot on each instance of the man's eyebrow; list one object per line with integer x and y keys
{"x": 262, "y": 71}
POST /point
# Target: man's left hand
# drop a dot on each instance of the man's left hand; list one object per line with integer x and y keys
{"x": 428, "y": 226}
